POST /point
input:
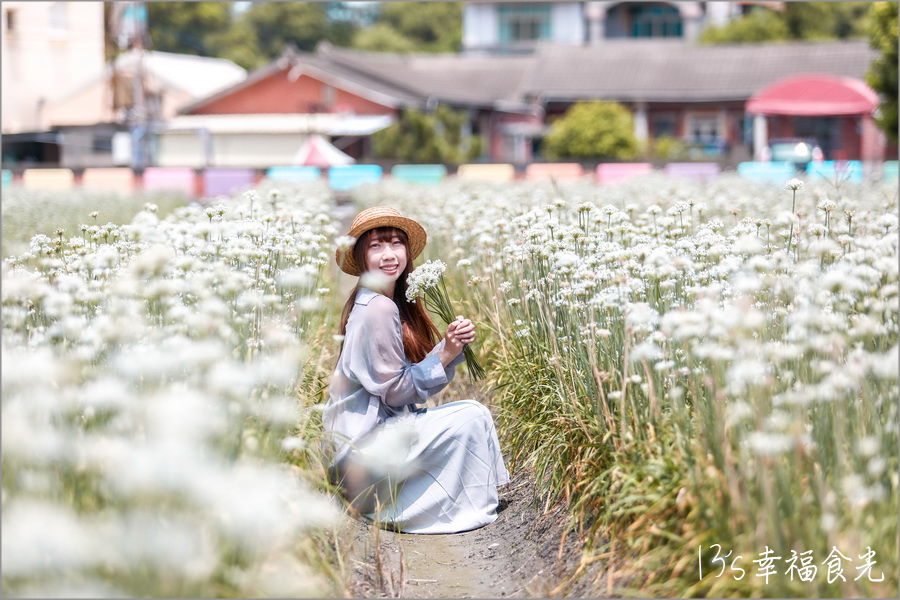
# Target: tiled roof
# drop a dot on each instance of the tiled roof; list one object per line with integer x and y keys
{"x": 674, "y": 70}
{"x": 448, "y": 77}
{"x": 627, "y": 70}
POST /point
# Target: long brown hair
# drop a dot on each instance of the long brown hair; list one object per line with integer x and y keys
{"x": 419, "y": 334}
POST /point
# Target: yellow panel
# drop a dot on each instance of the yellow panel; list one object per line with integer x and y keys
{"x": 48, "y": 179}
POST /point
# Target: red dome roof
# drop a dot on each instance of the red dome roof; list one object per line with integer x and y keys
{"x": 814, "y": 95}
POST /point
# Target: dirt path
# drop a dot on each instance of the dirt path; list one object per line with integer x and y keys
{"x": 523, "y": 554}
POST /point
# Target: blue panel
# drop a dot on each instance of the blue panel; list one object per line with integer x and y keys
{"x": 345, "y": 178}
{"x": 890, "y": 170}
{"x": 836, "y": 170}
{"x": 7, "y": 177}
{"x": 427, "y": 174}
{"x": 776, "y": 172}
{"x": 294, "y": 173}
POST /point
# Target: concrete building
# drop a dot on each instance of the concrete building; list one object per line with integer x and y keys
{"x": 47, "y": 49}
{"x": 517, "y": 27}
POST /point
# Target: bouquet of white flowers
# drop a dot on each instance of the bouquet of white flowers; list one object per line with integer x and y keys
{"x": 427, "y": 281}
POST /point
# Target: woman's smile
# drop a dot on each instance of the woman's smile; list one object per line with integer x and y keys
{"x": 388, "y": 257}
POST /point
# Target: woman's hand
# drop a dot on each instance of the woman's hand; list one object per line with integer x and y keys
{"x": 459, "y": 333}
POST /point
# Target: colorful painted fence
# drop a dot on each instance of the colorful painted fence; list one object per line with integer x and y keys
{"x": 555, "y": 171}
{"x": 351, "y": 176}
{"x": 48, "y": 179}
{"x": 172, "y": 179}
{"x": 424, "y": 174}
{"x": 294, "y": 173}
{"x": 774, "y": 172}
{"x": 116, "y": 179}
{"x": 618, "y": 172}
{"x": 692, "y": 170}
{"x": 486, "y": 172}
{"x": 225, "y": 182}
{"x": 836, "y": 170}
{"x": 216, "y": 181}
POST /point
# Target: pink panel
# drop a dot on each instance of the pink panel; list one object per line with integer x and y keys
{"x": 553, "y": 170}
{"x": 177, "y": 179}
{"x": 693, "y": 170}
{"x": 615, "y": 172}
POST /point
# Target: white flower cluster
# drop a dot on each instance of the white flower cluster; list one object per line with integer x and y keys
{"x": 425, "y": 276}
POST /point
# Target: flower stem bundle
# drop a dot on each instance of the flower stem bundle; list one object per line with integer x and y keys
{"x": 427, "y": 281}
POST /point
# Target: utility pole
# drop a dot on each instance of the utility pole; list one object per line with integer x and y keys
{"x": 131, "y": 34}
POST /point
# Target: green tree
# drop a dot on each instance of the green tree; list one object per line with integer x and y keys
{"x": 186, "y": 27}
{"x": 826, "y": 20}
{"x": 592, "y": 130}
{"x": 277, "y": 24}
{"x": 759, "y": 25}
{"x": 428, "y": 137}
{"x": 382, "y": 37}
{"x": 797, "y": 21}
{"x": 883, "y": 74}
{"x": 414, "y": 26}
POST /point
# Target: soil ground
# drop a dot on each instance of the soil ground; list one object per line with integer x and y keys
{"x": 526, "y": 553}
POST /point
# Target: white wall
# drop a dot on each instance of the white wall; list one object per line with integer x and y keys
{"x": 52, "y": 48}
{"x": 185, "y": 149}
{"x": 568, "y": 23}
{"x": 480, "y": 25}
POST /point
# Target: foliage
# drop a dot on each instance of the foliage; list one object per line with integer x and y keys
{"x": 259, "y": 34}
{"x": 797, "y": 21}
{"x": 187, "y": 27}
{"x": 883, "y": 74}
{"x": 667, "y": 147}
{"x": 593, "y": 130}
{"x": 759, "y": 25}
{"x": 428, "y": 137}
{"x": 429, "y": 26}
{"x": 278, "y": 24}
{"x": 382, "y": 37}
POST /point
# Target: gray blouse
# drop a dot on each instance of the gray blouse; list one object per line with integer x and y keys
{"x": 373, "y": 380}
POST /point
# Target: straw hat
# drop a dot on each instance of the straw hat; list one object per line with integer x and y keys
{"x": 380, "y": 216}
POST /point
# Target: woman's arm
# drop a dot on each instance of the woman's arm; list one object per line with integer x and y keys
{"x": 379, "y": 363}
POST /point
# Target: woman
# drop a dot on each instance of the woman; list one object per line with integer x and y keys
{"x": 409, "y": 468}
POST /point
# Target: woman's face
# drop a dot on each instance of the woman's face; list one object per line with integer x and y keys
{"x": 386, "y": 254}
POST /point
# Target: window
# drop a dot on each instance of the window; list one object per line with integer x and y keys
{"x": 11, "y": 23}
{"x": 101, "y": 143}
{"x": 328, "y": 95}
{"x": 58, "y": 17}
{"x": 643, "y": 19}
{"x": 524, "y": 22}
{"x": 663, "y": 124}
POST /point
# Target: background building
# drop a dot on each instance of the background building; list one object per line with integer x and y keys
{"x": 47, "y": 49}
{"x": 509, "y": 27}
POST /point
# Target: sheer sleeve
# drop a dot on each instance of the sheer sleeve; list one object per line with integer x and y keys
{"x": 379, "y": 362}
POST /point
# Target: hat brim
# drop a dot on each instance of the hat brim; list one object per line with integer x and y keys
{"x": 414, "y": 231}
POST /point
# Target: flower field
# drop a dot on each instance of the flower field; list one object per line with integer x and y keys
{"x": 157, "y": 383}
{"x": 703, "y": 371}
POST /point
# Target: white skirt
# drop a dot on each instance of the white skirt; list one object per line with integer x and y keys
{"x": 431, "y": 472}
